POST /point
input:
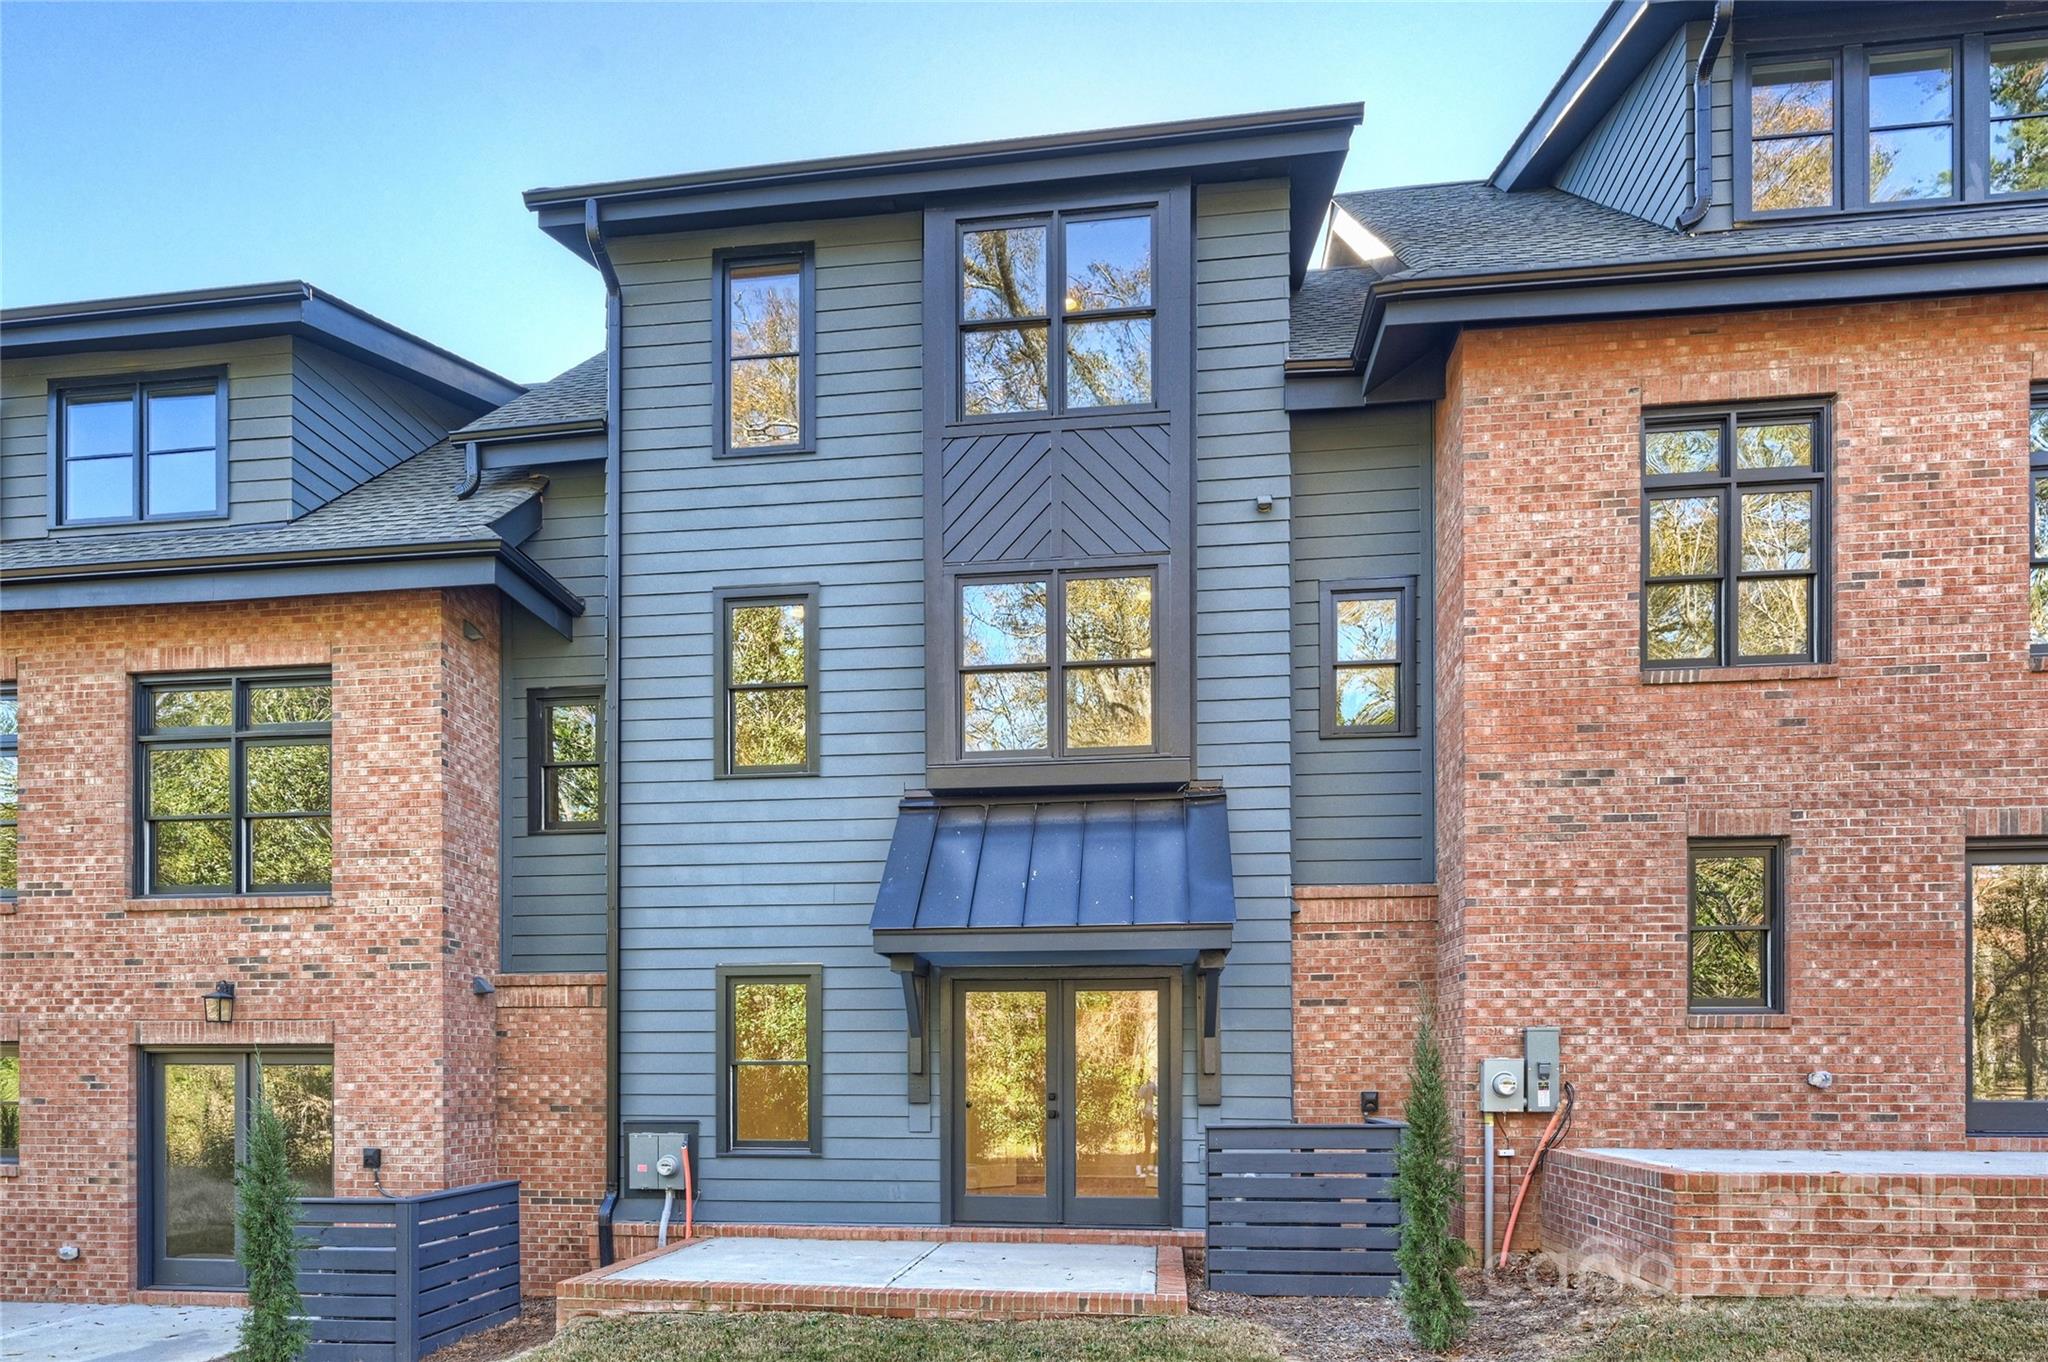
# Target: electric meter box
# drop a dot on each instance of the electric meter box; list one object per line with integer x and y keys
{"x": 645, "y": 1150}
{"x": 1500, "y": 1085}
{"x": 1543, "y": 1079}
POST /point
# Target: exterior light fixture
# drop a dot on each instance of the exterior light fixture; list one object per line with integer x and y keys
{"x": 220, "y": 1004}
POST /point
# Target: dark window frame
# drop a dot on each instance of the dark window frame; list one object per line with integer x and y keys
{"x": 802, "y": 254}
{"x": 1970, "y": 120}
{"x": 237, "y": 737}
{"x": 540, "y": 705}
{"x": 813, "y": 979}
{"x": 137, "y": 388}
{"x": 10, "y": 746}
{"x": 1772, "y": 956}
{"x": 2037, "y": 546}
{"x": 1991, "y": 1116}
{"x": 11, "y": 1154}
{"x": 1402, "y": 590}
{"x": 1728, "y": 484}
{"x": 723, "y": 602}
{"x": 1055, "y": 318}
{"x": 1056, "y": 665}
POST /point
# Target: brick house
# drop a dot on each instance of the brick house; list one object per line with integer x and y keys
{"x": 931, "y": 754}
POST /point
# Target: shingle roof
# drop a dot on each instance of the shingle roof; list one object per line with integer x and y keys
{"x": 1322, "y": 320}
{"x": 410, "y": 505}
{"x": 576, "y": 394}
{"x": 1472, "y": 228}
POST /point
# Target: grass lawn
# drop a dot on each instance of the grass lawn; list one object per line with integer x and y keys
{"x": 839, "y": 1338}
{"x": 1824, "y": 1331}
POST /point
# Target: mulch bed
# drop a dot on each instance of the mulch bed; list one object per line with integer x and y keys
{"x": 535, "y": 1326}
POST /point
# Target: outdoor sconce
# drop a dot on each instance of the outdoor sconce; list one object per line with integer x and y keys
{"x": 220, "y": 1004}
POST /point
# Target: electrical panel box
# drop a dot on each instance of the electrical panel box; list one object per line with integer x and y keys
{"x": 654, "y": 1159}
{"x": 1500, "y": 1085}
{"x": 1542, "y": 1077}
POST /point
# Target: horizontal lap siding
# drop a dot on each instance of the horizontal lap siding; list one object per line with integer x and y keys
{"x": 1363, "y": 807}
{"x": 1243, "y": 582}
{"x": 351, "y": 422}
{"x": 554, "y": 883}
{"x": 1637, "y": 158}
{"x": 717, "y": 872}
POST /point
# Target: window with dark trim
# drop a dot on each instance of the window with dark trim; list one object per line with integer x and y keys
{"x": 770, "y": 1039}
{"x": 1056, "y": 312}
{"x": 1368, "y": 670}
{"x": 2007, "y": 1031}
{"x": 1934, "y": 120}
{"x": 766, "y": 336}
{"x": 767, "y": 681}
{"x": 2037, "y": 498}
{"x": 565, "y": 760}
{"x": 10, "y": 1102}
{"x": 10, "y": 792}
{"x": 234, "y": 784}
{"x": 1091, "y": 692}
{"x": 138, "y": 450}
{"x": 1734, "y": 538}
{"x": 1735, "y": 938}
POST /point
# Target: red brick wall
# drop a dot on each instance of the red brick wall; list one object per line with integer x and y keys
{"x": 1363, "y": 959}
{"x": 550, "y": 1118}
{"x": 381, "y": 970}
{"x": 1570, "y": 783}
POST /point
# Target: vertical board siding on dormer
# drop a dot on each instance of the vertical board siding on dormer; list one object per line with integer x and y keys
{"x": 351, "y": 422}
{"x": 780, "y": 870}
{"x": 259, "y": 426}
{"x": 1637, "y": 159}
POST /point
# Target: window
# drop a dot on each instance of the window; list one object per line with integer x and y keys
{"x": 1734, "y": 537}
{"x": 1735, "y": 931}
{"x": 565, "y": 759}
{"x": 1093, "y": 694}
{"x": 767, "y": 681}
{"x": 10, "y": 792}
{"x": 1022, "y": 351}
{"x": 149, "y": 450}
{"x": 2037, "y": 476}
{"x": 2008, "y": 998}
{"x": 10, "y": 1102}
{"x": 235, "y": 785}
{"x": 770, "y": 1029}
{"x": 766, "y": 334}
{"x": 1368, "y": 672}
{"x": 1881, "y": 127}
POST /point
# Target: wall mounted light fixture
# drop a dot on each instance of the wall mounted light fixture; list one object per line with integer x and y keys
{"x": 220, "y": 1004}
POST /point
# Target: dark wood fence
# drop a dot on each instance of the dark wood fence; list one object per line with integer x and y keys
{"x": 1303, "y": 1210}
{"x": 392, "y": 1279}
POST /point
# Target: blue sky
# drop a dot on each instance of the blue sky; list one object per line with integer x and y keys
{"x": 379, "y": 150}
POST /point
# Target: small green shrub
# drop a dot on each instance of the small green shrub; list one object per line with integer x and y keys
{"x": 1427, "y": 1181}
{"x": 274, "y": 1327}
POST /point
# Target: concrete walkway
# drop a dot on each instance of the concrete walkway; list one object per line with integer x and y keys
{"x": 115, "y": 1333}
{"x": 908, "y": 1264}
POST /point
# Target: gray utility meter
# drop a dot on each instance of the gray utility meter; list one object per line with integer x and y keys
{"x": 654, "y": 1159}
{"x": 1500, "y": 1085}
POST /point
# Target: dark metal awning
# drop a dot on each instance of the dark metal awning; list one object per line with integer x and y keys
{"x": 1080, "y": 881}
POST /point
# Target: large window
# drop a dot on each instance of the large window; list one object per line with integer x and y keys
{"x": 770, "y": 1029}
{"x": 767, "y": 682}
{"x": 2037, "y": 497}
{"x": 236, "y": 788}
{"x": 1734, "y": 537}
{"x": 10, "y": 1102}
{"x": 2008, "y": 1002}
{"x": 1368, "y": 661}
{"x": 1941, "y": 120}
{"x": 1735, "y": 927}
{"x": 10, "y": 792}
{"x": 766, "y": 332}
{"x": 1058, "y": 664}
{"x": 130, "y": 451}
{"x": 565, "y": 761}
{"x": 1056, "y": 313}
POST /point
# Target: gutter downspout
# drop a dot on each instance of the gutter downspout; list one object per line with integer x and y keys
{"x": 1703, "y": 116}
{"x": 614, "y": 554}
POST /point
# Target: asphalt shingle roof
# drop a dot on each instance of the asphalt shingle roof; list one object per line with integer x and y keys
{"x": 1322, "y": 319}
{"x": 576, "y": 394}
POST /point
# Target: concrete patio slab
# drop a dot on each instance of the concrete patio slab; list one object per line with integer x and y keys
{"x": 1853, "y": 1162}
{"x": 1126, "y": 1268}
{"x": 34, "y": 1332}
{"x": 810, "y": 1262}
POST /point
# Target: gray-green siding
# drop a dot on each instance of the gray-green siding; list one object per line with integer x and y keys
{"x": 554, "y": 882}
{"x": 351, "y": 422}
{"x": 1363, "y": 807}
{"x": 1637, "y": 158}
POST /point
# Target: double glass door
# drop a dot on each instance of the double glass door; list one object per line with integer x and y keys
{"x": 1062, "y": 1104}
{"x": 201, "y": 1106}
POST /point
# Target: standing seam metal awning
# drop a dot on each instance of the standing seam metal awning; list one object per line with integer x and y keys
{"x": 1141, "y": 879}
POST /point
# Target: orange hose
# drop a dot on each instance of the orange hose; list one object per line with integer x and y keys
{"x": 689, "y": 1196}
{"x": 1542, "y": 1148}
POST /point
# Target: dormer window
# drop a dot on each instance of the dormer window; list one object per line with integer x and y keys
{"x": 1942, "y": 121}
{"x": 139, "y": 450}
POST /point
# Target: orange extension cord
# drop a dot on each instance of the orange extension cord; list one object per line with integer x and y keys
{"x": 1553, "y": 1135}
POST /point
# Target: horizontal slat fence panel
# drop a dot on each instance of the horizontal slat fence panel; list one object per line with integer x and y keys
{"x": 393, "y": 1279}
{"x": 1303, "y": 1210}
